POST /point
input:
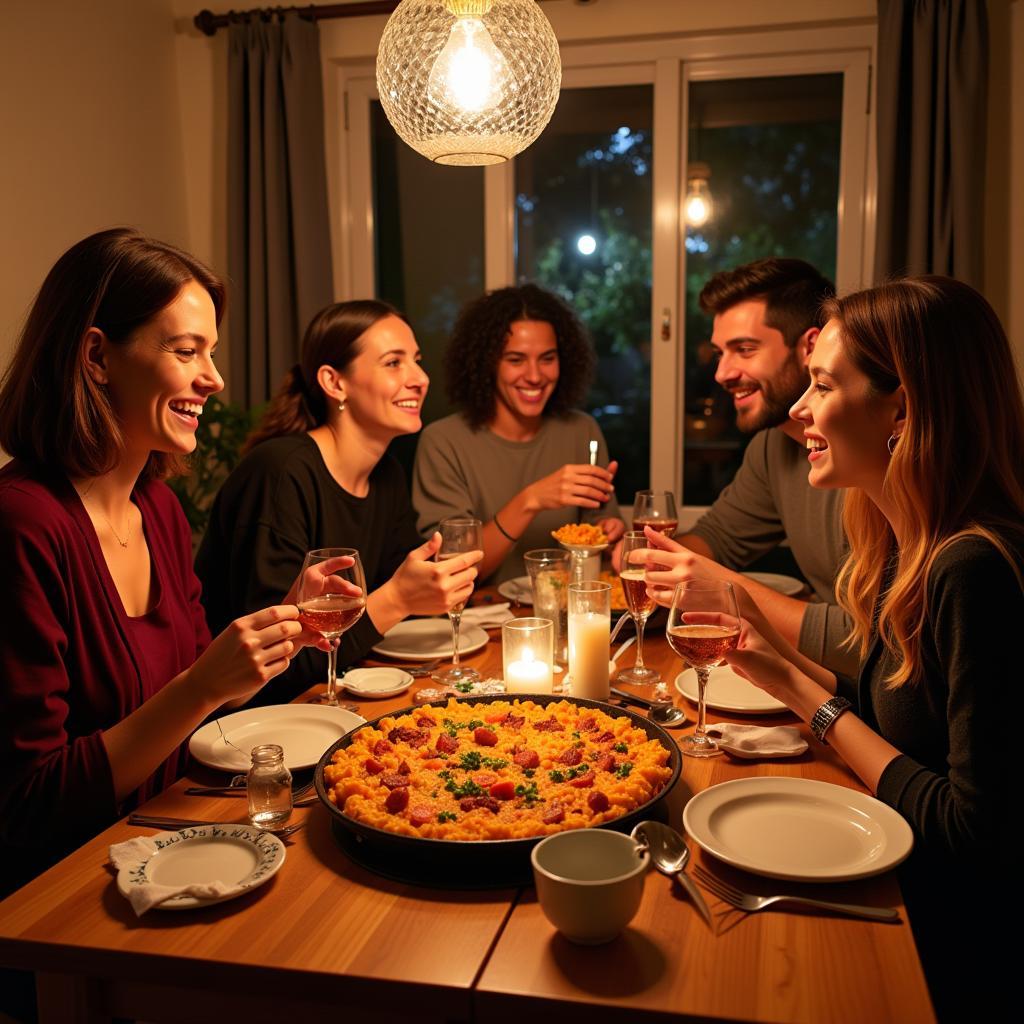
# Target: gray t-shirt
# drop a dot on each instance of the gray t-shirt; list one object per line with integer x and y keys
{"x": 461, "y": 471}
{"x": 769, "y": 501}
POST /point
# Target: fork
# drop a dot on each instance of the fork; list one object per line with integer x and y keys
{"x": 749, "y": 902}
{"x": 422, "y": 670}
{"x": 173, "y": 824}
{"x": 299, "y": 796}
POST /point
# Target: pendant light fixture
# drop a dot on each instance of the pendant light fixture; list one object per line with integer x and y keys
{"x": 468, "y": 82}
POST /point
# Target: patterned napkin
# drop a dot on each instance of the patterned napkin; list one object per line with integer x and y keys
{"x": 133, "y": 855}
{"x": 488, "y": 615}
{"x": 753, "y": 741}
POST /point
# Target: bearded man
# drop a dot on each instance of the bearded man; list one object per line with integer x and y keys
{"x": 766, "y": 321}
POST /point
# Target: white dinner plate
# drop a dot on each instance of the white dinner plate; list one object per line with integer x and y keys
{"x": 518, "y": 589}
{"x": 798, "y": 829}
{"x": 788, "y": 585}
{"x": 304, "y": 730}
{"x": 238, "y": 855}
{"x": 415, "y": 639}
{"x": 728, "y": 691}
{"x": 376, "y": 682}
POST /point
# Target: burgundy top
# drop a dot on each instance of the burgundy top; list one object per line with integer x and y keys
{"x": 73, "y": 663}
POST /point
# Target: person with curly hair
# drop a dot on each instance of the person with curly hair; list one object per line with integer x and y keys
{"x": 515, "y": 455}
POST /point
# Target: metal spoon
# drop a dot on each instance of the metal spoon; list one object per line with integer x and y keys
{"x": 670, "y": 855}
{"x": 667, "y": 715}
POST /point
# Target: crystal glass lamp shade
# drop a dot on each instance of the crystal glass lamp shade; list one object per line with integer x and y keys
{"x": 468, "y": 81}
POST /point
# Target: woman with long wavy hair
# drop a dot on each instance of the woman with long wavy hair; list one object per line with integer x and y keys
{"x": 317, "y": 474}
{"x": 915, "y": 407}
{"x": 518, "y": 364}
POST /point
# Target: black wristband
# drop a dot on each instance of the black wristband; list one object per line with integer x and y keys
{"x": 826, "y": 715}
{"x": 503, "y": 531}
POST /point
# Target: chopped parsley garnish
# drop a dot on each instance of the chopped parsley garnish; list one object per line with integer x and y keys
{"x": 467, "y": 788}
{"x": 474, "y": 724}
{"x": 444, "y": 816}
{"x": 620, "y": 748}
{"x": 556, "y": 776}
{"x": 624, "y": 769}
{"x": 529, "y": 772}
{"x": 473, "y": 759}
{"x": 575, "y": 734}
{"x": 463, "y": 687}
{"x": 445, "y": 773}
{"x": 580, "y": 769}
{"x": 528, "y": 793}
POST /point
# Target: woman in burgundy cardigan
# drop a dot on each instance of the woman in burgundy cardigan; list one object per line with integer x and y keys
{"x": 106, "y": 664}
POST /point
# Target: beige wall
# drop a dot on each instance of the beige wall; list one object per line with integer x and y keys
{"x": 113, "y": 111}
{"x": 89, "y": 118}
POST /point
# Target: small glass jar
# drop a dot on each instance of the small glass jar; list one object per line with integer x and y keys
{"x": 269, "y": 786}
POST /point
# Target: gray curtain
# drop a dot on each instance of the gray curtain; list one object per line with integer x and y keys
{"x": 932, "y": 91}
{"x": 279, "y": 246}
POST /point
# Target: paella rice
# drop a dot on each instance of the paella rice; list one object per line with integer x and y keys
{"x": 498, "y": 770}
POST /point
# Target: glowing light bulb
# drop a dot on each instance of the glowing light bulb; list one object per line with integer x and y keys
{"x": 587, "y": 244}
{"x": 697, "y": 207}
{"x": 469, "y": 72}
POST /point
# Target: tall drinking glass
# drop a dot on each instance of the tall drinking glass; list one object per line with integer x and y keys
{"x": 634, "y": 587}
{"x": 703, "y": 623}
{"x": 459, "y": 534}
{"x": 325, "y": 608}
{"x": 656, "y": 509}
{"x": 549, "y": 581}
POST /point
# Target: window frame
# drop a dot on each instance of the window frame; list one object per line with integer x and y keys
{"x": 668, "y": 63}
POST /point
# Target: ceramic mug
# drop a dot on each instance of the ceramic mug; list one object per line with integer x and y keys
{"x": 589, "y": 882}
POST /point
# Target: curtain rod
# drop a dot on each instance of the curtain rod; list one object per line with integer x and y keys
{"x": 208, "y": 22}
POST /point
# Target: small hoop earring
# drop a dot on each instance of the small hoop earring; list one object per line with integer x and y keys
{"x": 891, "y": 443}
{"x": 341, "y": 405}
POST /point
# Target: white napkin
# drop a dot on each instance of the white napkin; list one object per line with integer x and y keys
{"x": 488, "y": 615}
{"x": 759, "y": 741}
{"x": 134, "y": 853}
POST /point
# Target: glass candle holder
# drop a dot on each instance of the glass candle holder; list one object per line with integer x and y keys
{"x": 526, "y": 653}
{"x": 589, "y": 628}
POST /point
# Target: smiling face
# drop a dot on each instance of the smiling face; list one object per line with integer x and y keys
{"x": 527, "y": 372}
{"x": 760, "y": 371}
{"x": 846, "y": 423}
{"x": 384, "y": 386}
{"x": 159, "y": 380}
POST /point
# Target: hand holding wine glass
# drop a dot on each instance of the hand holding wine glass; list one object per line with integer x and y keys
{"x": 331, "y": 595}
{"x": 459, "y": 534}
{"x": 703, "y": 624}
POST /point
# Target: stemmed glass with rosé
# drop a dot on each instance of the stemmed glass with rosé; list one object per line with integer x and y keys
{"x": 327, "y": 605}
{"x": 656, "y": 509}
{"x": 703, "y": 624}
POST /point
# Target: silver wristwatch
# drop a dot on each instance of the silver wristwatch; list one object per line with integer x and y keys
{"x": 826, "y": 715}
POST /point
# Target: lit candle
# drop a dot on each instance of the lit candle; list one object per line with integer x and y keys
{"x": 528, "y": 675}
{"x": 588, "y": 654}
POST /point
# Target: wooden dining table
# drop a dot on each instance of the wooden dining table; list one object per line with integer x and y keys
{"x": 328, "y": 939}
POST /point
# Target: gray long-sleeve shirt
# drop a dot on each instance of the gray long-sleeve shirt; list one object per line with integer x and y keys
{"x": 770, "y": 501}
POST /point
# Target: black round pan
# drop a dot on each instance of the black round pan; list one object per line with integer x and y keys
{"x": 481, "y": 864}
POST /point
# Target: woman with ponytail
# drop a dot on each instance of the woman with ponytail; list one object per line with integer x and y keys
{"x": 915, "y": 407}
{"x": 316, "y": 474}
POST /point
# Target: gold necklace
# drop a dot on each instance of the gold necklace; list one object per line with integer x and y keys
{"x": 117, "y": 537}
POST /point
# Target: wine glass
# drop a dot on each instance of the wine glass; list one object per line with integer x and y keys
{"x": 634, "y": 587}
{"x": 703, "y": 623}
{"x": 656, "y": 509}
{"x": 328, "y": 608}
{"x": 459, "y": 534}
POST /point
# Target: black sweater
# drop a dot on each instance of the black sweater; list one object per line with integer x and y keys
{"x": 279, "y": 503}
{"x": 955, "y": 781}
